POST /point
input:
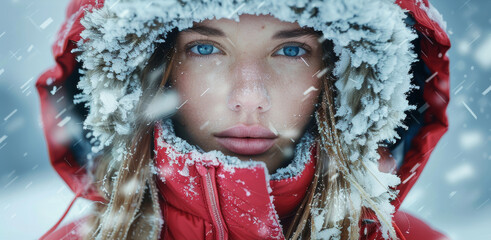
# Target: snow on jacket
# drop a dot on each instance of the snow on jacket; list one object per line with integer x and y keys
{"x": 251, "y": 203}
{"x": 424, "y": 111}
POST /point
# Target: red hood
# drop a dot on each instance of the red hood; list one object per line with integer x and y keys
{"x": 432, "y": 74}
{"x": 68, "y": 147}
{"x": 56, "y": 87}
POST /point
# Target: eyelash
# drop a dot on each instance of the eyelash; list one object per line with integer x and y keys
{"x": 191, "y": 45}
{"x": 304, "y": 46}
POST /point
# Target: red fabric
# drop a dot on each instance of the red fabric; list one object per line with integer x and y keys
{"x": 245, "y": 209}
{"x": 70, "y": 231}
{"x": 414, "y": 229}
{"x": 434, "y": 45}
{"x": 57, "y": 137}
{"x": 289, "y": 192}
{"x": 408, "y": 227}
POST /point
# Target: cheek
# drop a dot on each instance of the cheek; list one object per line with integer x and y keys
{"x": 201, "y": 94}
{"x": 296, "y": 98}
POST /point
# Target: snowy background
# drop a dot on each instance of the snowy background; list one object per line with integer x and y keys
{"x": 452, "y": 195}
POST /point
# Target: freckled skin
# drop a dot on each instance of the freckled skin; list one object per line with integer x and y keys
{"x": 246, "y": 82}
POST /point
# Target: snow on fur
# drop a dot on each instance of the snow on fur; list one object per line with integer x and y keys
{"x": 370, "y": 38}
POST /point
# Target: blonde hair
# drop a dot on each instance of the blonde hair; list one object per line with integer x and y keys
{"x": 133, "y": 199}
{"x": 129, "y": 186}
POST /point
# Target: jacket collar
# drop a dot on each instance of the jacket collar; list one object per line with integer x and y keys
{"x": 247, "y": 190}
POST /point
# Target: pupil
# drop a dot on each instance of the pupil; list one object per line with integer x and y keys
{"x": 291, "y": 51}
{"x": 205, "y": 49}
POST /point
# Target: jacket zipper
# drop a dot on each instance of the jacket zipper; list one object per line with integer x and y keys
{"x": 214, "y": 205}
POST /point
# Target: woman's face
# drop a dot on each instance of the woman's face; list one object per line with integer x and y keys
{"x": 247, "y": 88}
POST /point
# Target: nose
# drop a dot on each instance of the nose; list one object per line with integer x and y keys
{"x": 249, "y": 92}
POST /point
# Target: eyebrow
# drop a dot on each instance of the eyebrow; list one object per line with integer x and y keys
{"x": 300, "y": 32}
{"x": 210, "y": 31}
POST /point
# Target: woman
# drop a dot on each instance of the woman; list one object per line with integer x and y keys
{"x": 245, "y": 120}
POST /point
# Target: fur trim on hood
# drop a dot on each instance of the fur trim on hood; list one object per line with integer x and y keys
{"x": 370, "y": 38}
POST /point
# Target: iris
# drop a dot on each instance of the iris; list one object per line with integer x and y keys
{"x": 204, "y": 49}
{"x": 291, "y": 51}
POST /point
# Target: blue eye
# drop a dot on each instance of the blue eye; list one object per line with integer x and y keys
{"x": 291, "y": 51}
{"x": 204, "y": 49}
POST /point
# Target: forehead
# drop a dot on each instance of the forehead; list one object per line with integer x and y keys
{"x": 249, "y": 22}
{"x": 251, "y": 26}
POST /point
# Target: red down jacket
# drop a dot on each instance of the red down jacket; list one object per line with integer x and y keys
{"x": 427, "y": 124}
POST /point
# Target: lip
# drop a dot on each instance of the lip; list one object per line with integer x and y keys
{"x": 246, "y": 140}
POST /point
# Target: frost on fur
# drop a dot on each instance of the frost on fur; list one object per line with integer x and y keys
{"x": 370, "y": 38}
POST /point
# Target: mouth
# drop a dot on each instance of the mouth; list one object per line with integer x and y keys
{"x": 246, "y": 140}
